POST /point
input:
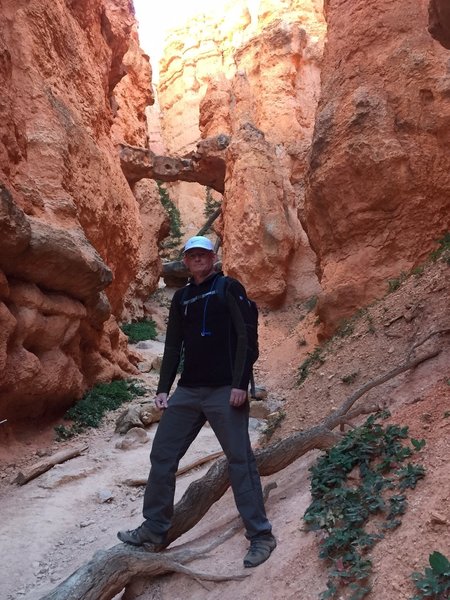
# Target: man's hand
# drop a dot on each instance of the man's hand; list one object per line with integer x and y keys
{"x": 161, "y": 401}
{"x": 238, "y": 397}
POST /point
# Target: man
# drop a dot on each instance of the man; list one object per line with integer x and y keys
{"x": 218, "y": 360}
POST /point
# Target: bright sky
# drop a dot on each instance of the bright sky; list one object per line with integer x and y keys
{"x": 155, "y": 18}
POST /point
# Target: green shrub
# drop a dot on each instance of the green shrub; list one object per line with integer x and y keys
{"x": 211, "y": 205}
{"x": 140, "y": 331}
{"x": 443, "y": 250}
{"x": 314, "y": 357}
{"x": 348, "y": 379}
{"x": 346, "y": 327}
{"x": 64, "y": 433}
{"x": 342, "y": 505}
{"x": 311, "y": 303}
{"x": 90, "y": 410}
{"x": 418, "y": 271}
{"x": 434, "y": 583}
{"x": 394, "y": 284}
{"x": 173, "y": 243}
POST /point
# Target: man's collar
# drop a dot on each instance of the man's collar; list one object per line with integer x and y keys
{"x": 209, "y": 278}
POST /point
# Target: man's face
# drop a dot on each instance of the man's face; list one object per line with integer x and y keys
{"x": 199, "y": 262}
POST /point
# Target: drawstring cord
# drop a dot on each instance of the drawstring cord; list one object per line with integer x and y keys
{"x": 204, "y": 332}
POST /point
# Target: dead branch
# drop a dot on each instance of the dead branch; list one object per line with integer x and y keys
{"x": 361, "y": 410}
{"x": 201, "y": 461}
{"x": 333, "y": 419}
{"x": 210, "y": 221}
{"x": 195, "y": 503}
{"x": 44, "y": 465}
{"x": 136, "y": 482}
{"x": 427, "y": 337}
{"x": 197, "y": 463}
{"x": 111, "y": 570}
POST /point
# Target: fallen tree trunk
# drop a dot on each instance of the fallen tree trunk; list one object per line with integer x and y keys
{"x": 181, "y": 471}
{"x": 210, "y": 221}
{"x": 111, "y": 570}
{"x": 195, "y": 503}
{"x": 44, "y": 465}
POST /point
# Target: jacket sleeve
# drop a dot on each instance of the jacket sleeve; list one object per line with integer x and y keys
{"x": 237, "y": 302}
{"x": 172, "y": 348}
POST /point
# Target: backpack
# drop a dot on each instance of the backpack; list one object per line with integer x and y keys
{"x": 252, "y": 324}
{"x": 220, "y": 289}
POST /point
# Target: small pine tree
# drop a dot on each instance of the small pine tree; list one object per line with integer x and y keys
{"x": 211, "y": 205}
{"x": 172, "y": 244}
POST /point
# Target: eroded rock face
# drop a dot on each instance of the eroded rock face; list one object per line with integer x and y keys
{"x": 379, "y": 193}
{"x": 259, "y": 231}
{"x": 269, "y": 113}
{"x": 265, "y": 80}
{"x": 71, "y": 75}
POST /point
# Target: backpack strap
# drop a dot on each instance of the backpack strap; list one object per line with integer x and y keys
{"x": 221, "y": 289}
{"x": 221, "y": 286}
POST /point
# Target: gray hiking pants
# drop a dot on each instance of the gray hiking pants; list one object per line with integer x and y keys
{"x": 188, "y": 410}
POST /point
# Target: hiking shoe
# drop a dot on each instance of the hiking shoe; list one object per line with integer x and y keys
{"x": 142, "y": 536}
{"x": 260, "y": 550}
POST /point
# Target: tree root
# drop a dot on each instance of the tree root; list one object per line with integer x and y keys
{"x": 109, "y": 571}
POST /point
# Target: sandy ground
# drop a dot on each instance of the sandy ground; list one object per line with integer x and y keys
{"x": 56, "y": 522}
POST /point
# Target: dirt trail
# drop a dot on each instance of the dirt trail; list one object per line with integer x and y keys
{"x": 55, "y": 523}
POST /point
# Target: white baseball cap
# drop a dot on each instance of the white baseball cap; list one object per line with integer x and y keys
{"x": 198, "y": 241}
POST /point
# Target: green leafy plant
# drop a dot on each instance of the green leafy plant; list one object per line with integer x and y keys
{"x": 434, "y": 583}
{"x": 347, "y": 379}
{"x": 140, "y": 330}
{"x": 64, "y": 433}
{"x": 443, "y": 250}
{"x": 418, "y": 271}
{"x": 371, "y": 328}
{"x": 314, "y": 357}
{"x": 394, "y": 284}
{"x": 172, "y": 244}
{"x": 353, "y": 481}
{"x": 90, "y": 410}
{"x": 346, "y": 327}
{"x": 311, "y": 303}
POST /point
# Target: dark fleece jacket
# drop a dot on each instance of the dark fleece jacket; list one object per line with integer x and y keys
{"x": 212, "y": 334}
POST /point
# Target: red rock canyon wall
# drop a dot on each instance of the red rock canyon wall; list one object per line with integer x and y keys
{"x": 378, "y": 194}
{"x": 74, "y": 83}
{"x": 370, "y": 185}
{"x": 263, "y": 74}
